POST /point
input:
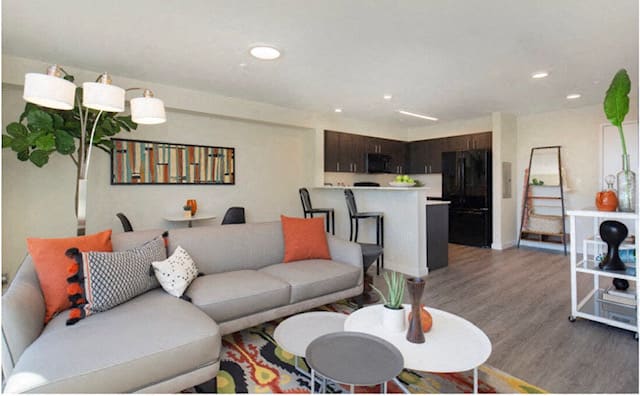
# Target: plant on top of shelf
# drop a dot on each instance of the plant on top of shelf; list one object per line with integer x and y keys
{"x": 395, "y": 287}
{"x": 616, "y": 107}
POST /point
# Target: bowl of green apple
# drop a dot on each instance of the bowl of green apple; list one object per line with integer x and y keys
{"x": 403, "y": 181}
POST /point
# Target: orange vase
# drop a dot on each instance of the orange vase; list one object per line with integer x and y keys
{"x": 193, "y": 204}
{"x": 606, "y": 200}
{"x": 425, "y": 319}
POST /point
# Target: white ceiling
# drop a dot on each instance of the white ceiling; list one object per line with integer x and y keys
{"x": 450, "y": 59}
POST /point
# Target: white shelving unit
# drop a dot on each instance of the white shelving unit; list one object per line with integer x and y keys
{"x": 592, "y": 306}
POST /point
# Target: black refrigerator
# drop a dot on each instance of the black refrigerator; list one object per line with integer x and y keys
{"x": 466, "y": 182}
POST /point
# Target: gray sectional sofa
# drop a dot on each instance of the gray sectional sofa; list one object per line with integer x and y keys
{"x": 157, "y": 343}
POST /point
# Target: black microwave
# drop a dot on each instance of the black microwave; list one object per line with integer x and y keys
{"x": 378, "y": 163}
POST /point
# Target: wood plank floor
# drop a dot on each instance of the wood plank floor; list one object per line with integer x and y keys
{"x": 521, "y": 299}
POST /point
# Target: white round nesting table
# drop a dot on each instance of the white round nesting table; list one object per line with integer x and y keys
{"x": 189, "y": 220}
{"x": 452, "y": 345}
{"x": 295, "y": 333}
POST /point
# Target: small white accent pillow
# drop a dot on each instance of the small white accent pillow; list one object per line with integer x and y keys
{"x": 176, "y": 273}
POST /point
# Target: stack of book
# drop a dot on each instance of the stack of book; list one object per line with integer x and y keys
{"x": 625, "y": 297}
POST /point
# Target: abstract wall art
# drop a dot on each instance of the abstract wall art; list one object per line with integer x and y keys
{"x": 145, "y": 162}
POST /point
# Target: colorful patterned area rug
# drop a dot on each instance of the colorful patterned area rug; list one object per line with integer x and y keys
{"x": 252, "y": 362}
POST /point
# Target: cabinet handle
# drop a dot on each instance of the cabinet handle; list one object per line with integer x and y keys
{"x": 429, "y": 168}
{"x": 338, "y": 166}
{"x": 355, "y": 168}
{"x": 425, "y": 168}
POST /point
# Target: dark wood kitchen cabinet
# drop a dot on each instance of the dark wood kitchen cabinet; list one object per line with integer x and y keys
{"x": 483, "y": 140}
{"x": 398, "y": 152}
{"x": 475, "y": 141}
{"x": 331, "y": 151}
{"x": 425, "y": 156}
{"x": 344, "y": 152}
{"x": 417, "y": 152}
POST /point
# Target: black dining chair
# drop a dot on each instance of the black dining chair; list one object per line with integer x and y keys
{"x": 126, "y": 224}
{"x": 354, "y": 219}
{"x": 308, "y": 209}
{"x": 234, "y": 215}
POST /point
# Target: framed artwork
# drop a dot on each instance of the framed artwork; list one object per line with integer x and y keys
{"x": 145, "y": 162}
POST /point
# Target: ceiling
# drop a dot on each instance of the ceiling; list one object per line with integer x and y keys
{"x": 451, "y": 59}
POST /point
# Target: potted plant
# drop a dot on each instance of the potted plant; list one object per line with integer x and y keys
{"x": 393, "y": 314}
{"x": 616, "y": 107}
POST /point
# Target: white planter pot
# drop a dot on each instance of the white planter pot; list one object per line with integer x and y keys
{"x": 394, "y": 319}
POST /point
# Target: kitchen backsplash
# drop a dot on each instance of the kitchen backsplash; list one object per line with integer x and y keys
{"x": 433, "y": 181}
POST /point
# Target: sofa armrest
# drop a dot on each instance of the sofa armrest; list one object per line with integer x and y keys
{"x": 23, "y": 312}
{"x": 345, "y": 251}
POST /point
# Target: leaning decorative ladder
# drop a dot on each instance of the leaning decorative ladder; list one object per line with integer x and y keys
{"x": 529, "y": 202}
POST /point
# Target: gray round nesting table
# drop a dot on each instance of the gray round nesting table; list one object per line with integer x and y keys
{"x": 354, "y": 358}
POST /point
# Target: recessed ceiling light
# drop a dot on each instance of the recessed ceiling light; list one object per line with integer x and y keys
{"x": 338, "y": 110}
{"x": 264, "y": 52}
{"x": 540, "y": 74}
{"x": 573, "y": 96}
{"x": 387, "y": 97}
{"x": 417, "y": 115}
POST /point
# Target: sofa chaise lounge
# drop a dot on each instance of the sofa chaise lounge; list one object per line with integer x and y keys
{"x": 156, "y": 342}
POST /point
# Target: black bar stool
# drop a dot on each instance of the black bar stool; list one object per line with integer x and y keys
{"x": 355, "y": 216}
{"x": 309, "y": 210}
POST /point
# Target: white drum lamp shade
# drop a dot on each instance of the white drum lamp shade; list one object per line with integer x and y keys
{"x": 147, "y": 111}
{"x": 49, "y": 91}
{"x": 101, "y": 96}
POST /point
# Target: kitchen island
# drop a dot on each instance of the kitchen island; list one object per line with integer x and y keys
{"x": 405, "y": 222}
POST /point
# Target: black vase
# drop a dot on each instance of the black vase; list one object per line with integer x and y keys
{"x": 613, "y": 233}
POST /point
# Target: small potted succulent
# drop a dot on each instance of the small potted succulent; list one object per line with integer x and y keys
{"x": 187, "y": 211}
{"x": 393, "y": 313}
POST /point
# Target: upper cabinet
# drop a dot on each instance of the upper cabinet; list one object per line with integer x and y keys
{"x": 425, "y": 155}
{"x": 398, "y": 152}
{"x": 476, "y": 141}
{"x": 346, "y": 152}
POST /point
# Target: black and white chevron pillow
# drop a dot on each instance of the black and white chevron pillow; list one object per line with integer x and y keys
{"x": 102, "y": 280}
{"x": 176, "y": 273}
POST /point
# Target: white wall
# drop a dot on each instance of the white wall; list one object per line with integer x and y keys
{"x": 578, "y": 132}
{"x": 271, "y": 164}
{"x": 504, "y": 141}
{"x": 451, "y": 128}
{"x": 277, "y": 149}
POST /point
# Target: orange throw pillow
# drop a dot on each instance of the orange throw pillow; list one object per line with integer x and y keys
{"x": 51, "y": 265}
{"x": 304, "y": 239}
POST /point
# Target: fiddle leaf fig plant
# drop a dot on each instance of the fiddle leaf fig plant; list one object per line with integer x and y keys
{"x": 616, "y": 102}
{"x": 41, "y": 132}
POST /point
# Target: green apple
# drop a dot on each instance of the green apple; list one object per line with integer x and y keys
{"x": 410, "y": 181}
{"x": 405, "y": 178}
{"x": 399, "y": 178}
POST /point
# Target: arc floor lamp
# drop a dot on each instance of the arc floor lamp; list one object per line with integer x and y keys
{"x": 53, "y": 91}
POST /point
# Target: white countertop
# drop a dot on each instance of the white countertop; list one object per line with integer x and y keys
{"x": 374, "y": 188}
